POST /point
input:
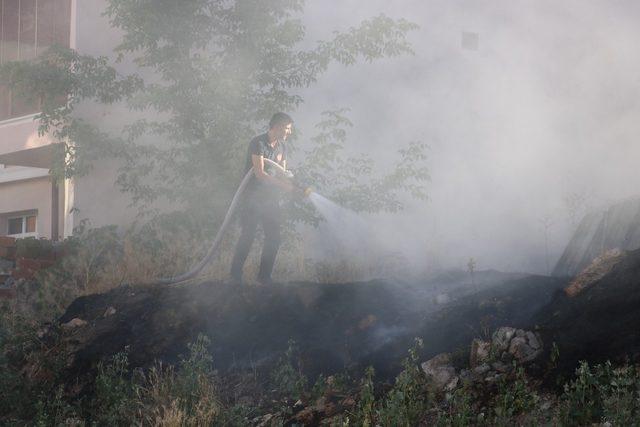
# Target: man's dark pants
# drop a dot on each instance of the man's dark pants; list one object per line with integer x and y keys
{"x": 267, "y": 212}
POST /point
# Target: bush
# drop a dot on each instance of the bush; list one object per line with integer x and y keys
{"x": 184, "y": 397}
{"x": 30, "y": 247}
{"x": 287, "y": 376}
{"x": 602, "y": 394}
{"x": 113, "y": 404}
{"x": 407, "y": 401}
{"x": 403, "y": 405}
{"x": 515, "y": 396}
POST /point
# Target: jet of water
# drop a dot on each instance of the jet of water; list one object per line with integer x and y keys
{"x": 344, "y": 230}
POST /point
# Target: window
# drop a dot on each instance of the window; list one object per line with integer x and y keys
{"x": 27, "y": 29}
{"x": 23, "y": 226}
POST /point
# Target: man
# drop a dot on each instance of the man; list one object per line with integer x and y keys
{"x": 262, "y": 196}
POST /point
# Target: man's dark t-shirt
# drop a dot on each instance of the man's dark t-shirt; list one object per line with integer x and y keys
{"x": 260, "y": 146}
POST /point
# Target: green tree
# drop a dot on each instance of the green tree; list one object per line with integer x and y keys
{"x": 210, "y": 74}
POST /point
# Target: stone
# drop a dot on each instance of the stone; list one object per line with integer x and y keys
{"x": 452, "y": 385}
{"x": 533, "y": 340}
{"x": 480, "y": 352}
{"x": 501, "y": 367}
{"x": 510, "y": 343}
{"x": 481, "y": 369}
{"x": 263, "y": 421}
{"x": 438, "y": 370}
{"x": 502, "y": 338}
{"x": 110, "y": 311}
{"x": 526, "y": 348}
{"x": 74, "y": 323}
{"x": 598, "y": 268}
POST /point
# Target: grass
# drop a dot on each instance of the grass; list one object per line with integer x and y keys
{"x": 192, "y": 392}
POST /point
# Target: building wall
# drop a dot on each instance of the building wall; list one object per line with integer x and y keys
{"x": 98, "y": 200}
{"x": 93, "y": 197}
{"x": 26, "y": 196}
{"x": 96, "y": 197}
{"x": 27, "y": 187}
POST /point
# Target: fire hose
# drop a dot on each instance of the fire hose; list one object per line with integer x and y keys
{"x": 195, "y": 270}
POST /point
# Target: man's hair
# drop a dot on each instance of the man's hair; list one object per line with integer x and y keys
{"x": 280, "y": 118}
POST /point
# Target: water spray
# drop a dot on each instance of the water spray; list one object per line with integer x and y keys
{"x": 195, "y": 270}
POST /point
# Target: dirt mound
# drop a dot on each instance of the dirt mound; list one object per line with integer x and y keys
{"x": 598, "y": 268}
{"x": 601, "y": 322}
{"x": 616, "y": 227}
{"x": 337, "y": 327}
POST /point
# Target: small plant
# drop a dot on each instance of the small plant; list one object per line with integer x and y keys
{"x": 187, "y": 396}
{"x": 602, "y": 394}
{"x": 114, "y": 391}
{"x": 515, "y": 396}
{"x": 406, "y": 402}
{"x": 55, "y": 410}
{"x": 365, "y": 411}
{"x": 403, "y": 405}
{"x": 460, "y": 410}
{"x": 287, "y": 376}
{"x": 471, "y": 269}
{"x": 621, "y": 397}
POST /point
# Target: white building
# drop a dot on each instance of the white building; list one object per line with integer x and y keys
{"x": 31, "y": 203}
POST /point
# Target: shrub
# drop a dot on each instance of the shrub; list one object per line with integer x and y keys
{"x": 30, "y": 247}
{"x": 515, "y": 396}
{"x": 287, "y": 376}
{"x": 112, "y": 404}
{"x": 187, "y": 396}
{"x": 407, "y": 401}
{"x": 600, "y": 394}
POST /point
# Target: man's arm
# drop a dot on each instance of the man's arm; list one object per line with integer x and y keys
{"x": 258, "y": 170}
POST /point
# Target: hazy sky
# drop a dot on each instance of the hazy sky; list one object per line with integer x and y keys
{"x": 545, "y": 107}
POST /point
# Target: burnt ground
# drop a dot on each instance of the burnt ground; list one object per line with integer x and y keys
{"x": 337, "y": 327}
{"x": 349, "y": 326}
{"x": 600, "y": 323}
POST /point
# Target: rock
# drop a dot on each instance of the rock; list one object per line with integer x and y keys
{"x": 452, "y": 385}
{"x": 481, "y": 369}
{"x": 74, "y": 323}
{"x": 466, "y": 376}
{"x": 501, "y": 338}
{"x": 439, "y": 371}
{"x": 510, "y": 343}
{"x": 525, "y": 348}
{"x": 480, "y": 352}
{"x": 110, "y": 311}
{"x": 501, "y": 367}
{"x": 534, "y": 341}
{"x": 263, "y": 421}
{"x": 598, "y": 268}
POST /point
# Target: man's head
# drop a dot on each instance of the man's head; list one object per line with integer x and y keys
{"x": 280, "y": 126}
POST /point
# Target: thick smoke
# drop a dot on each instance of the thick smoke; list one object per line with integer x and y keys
{"x": 526, "y": 132}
